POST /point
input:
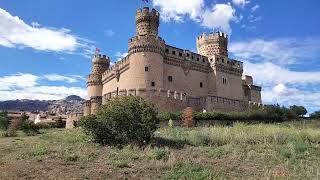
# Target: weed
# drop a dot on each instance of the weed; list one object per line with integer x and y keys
{"x": 189, "y": 171}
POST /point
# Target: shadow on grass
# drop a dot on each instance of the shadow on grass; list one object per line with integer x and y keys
{"x": 163, "y": 142}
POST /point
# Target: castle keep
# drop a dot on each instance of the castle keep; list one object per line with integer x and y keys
{"x": 170, "y": 77}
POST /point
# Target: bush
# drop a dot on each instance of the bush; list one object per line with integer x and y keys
{"x": 4, "y": 121}
{"x": 123, "y": 120}
{"x": 29, "y": 128}
{"x": 299, "y": 110}
{"x": 47, "y": 125}
{"x": 165, "y": 116}
{"x": 60, "y": 123}
{"x": 315, "y": 115}
{"x": 187, "y": 117}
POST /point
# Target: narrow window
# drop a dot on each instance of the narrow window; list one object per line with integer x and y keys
{"x": 201, "y": 84}
{"x": 170, "y": 78}
{"x": 153, "y": 84}
{"x": 174, "y": 52}
{"x": 197, "y": 59}
{"x": 167, "y": 50}
{"x": 180, "y": 54}
{"x": 146, "y": 68}
{"x": 188, "y": 55}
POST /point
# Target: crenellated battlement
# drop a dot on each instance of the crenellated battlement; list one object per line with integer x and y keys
{"x": 74, "y": 115}
{"x": 144, "y": 92}
{"x": 100, "y": 63}
{"x": 146, "y": 44}
{"x": 213, "y": 44}
{"x": 115, "y": 70}
{"x": 99, "y": 57}
{"x": 147, "y": 12}
{"x": 147, "y": 22}
{"x": 94, "y": 79}
{"x": 226, "y": 64}
{"x": 212, "y": 36}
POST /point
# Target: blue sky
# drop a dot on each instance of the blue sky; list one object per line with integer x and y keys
{"x": 45, "y": 46}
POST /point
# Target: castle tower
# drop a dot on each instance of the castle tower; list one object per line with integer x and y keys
{"x": 147, "y": 50}
{"x": 147, "y": 22}
{"x": 213, "y": 44}
{"x": 94, "y": 83}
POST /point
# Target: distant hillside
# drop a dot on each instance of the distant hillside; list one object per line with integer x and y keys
{"x": 73, "y": 98}
{"x": 71, "y": 103}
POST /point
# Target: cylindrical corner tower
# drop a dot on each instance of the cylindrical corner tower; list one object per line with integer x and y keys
{"x": 147, "y": 22}
{"x": 146, "y": 51}
{"x": 213, "y": 44}
{"x": 94, "y": 82}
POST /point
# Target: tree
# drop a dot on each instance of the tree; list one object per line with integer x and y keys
{"x": 4, "y": 120}
{"x": 315, "y": 115}
{"x": 299, "y": 110}
{"x": 123, "y": 120}
{"x": 187, "y": 117}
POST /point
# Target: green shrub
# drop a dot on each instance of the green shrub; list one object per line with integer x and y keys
{"x": 298, "y": 110}
{"x": 166, "y": 116}
{"x": 29, "y": 128}
{"x": 47, "y": 125}
{"x": 315, "y": 115}
{"x": 4, "y": 121}
{"x": 60, "y": 123}
{"x": 123, "y": 120}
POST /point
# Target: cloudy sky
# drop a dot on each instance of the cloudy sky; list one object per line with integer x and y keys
{"x": 45, "y": 46}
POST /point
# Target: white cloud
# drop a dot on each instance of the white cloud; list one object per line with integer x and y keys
{"x": 255, "y": 7}
{"x": 280, "y": 51}
{"x": 18, "y": 81}
{"x": 219, "y": 17}
{"x": 42, "y": 93}
{"x": 291, "y": 96}
{"x": 27, "y": 86}
{"x": 57, "y": 77}
{"x": 284, "y": 86}
{"x": 253, "y": 18}
{"x": 15, "y": 33}
{"x": 269, "y": 74}
{"x": 271, "y": 63}
{"x": 240, "y": 3}
{"x": 120, "y": 55}
{"x": 177, "y": 9}
{"x": 109, "y": 33}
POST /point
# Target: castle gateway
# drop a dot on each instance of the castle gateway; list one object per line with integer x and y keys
{"x": 172, "y": 78}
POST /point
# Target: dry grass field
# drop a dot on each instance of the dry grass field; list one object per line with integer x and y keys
{"x": 281, "y": 151}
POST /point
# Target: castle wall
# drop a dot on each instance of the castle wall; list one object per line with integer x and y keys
{"x": 255, "y": 94}
{"x": 188, "y": 83}
{"x": 170, "y": 77}
{"x": 231, "y": 87}
{"x": 135, "y": 75}
{"x": 71, "y": 119}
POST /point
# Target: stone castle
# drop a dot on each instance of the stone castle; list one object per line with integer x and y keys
{"x": 172, "y": 78}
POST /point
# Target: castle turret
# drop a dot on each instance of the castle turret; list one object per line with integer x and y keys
{"x": 147, "y": 22}
{"x": 213, "y": 44}
{"x": 94, "y": 83}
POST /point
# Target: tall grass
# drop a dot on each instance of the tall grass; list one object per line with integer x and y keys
{"x": 241, "y": 133}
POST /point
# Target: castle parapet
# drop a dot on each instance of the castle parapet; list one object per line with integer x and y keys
{"x": 94, "y": 79}
{"x": 146, "y": 44}
{"x": 213, "y": 44}
{"x": 147, "y": 22}
{"x": 223, "y": 63}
